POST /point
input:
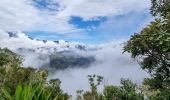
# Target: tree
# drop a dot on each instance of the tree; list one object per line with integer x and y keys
{"x": 160, "y": 7}
{"x": 30, "y": 83}
{"x": 151, "y": 47}
{"x": 79, "y": 94}
{"x": 94, "y": 81}
{"x": 127, "y": 91}
{"x": 8, "y": 57}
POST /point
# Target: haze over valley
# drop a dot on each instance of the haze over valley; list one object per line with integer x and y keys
{"x": 72, "y": 62}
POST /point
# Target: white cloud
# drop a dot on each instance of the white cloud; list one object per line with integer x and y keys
{"x": 23, "y": 41}
{"x": 88, "y": 9}
{"x": 34, "y": 52}
{"x": 110, "y": 63}
{"x": 22, "y": 15}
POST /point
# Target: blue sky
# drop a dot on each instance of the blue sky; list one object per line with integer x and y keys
{"x": 83, "y": 21}
{"x": 103, "y": 29}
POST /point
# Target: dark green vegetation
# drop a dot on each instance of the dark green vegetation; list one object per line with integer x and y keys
{"x": 60, "y": 61}
{"x": 126, "y": 91}
{"x": 19, "y": 83}
{"x": 151, "y": 47}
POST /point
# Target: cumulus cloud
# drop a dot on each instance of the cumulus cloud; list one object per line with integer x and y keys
{"x": 23, "y": 15}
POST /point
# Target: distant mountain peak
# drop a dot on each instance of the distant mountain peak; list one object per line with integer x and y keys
{"x": 12, "y": 34}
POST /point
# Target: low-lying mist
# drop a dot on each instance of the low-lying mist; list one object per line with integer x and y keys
{"x": 108, "y": 62}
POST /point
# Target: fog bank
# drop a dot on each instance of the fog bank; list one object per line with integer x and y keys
{"x": 109, "y": 60}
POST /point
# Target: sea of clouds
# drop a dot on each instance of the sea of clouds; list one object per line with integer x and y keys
{"x": 110, "y": 61}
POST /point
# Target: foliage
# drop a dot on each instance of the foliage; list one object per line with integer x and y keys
{"x": 79, "y": 94}
{"x": 94, "y": 81}
{"x": 54, "y": 87}
{"x": 152, "y": 46}
{"x": 127, "y": 91}
{"x": 152, "y": 49}
{"x": 19, "y": 83}
{"x": 151, "y": 88}
{"x": 8, "y": 57}
{"x": 160, "y": 7}
{"x": 27, "y": 81}
{"x": 28, "y": 92}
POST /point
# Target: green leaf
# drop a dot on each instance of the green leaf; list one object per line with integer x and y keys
{"x": 7, "y": 94}
{"x": 18, "y": 92}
